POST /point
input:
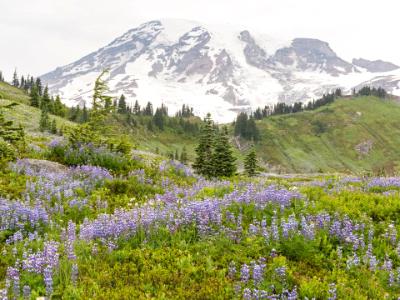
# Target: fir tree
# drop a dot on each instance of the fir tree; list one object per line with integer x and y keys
{"x": 45, "y": 103}
{"x": 136, "y": 108}
{"x": 184, "y": 157}
{"x": 1, "y": 77}
{"x": 250, "y": 163}
{"x": 34, "y": 96}
{"x": 101, "y": 104}
{"x": 44, "y": 123}
{"x": 159, "y": 119}
{"x": 15, "y": 81}
{"x": 148, "y": 111}
{"x": 122, "y": 104}
{"x": 58, "y": 107}
{"x": 204, "y": 151}
{"x": 39, "y": 86}
{"x": 85, "y": 114}
{"x": 223, "y": 161}
{"x": 53, "y": 127}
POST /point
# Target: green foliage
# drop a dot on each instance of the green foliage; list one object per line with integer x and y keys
{"x": 250, "y": 163}
{"x": 223, "y": 161}
{"x": 204, "y": 150}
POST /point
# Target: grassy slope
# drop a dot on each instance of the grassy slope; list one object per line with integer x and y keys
{"x": 325, "y": 139}
{"x": 24, "y": 114}
{"x": 28, "y": 116}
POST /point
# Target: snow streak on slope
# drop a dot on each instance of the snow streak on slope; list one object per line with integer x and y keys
{"x": 217, "y": 69}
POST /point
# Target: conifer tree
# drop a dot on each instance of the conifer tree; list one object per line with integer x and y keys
{"x": 85, "y": 114}
{"x": 45, "y": 103}
{"x": 15, "y": 81}
{"x": 39, "y": 86}
{"x": 148, "y": 111}
{"x": 53, "y": 127}
{"x": 136, "y": 108}
{"x": 34, "y": 96}
{"x": 184, "y": 157}
{"x": 159, "y": 119}
{"x": 204, "y": 150}
{"x": 44, "y": 123}
{"x": 1, "y": 77}
{"x": 101, "y": 104}
{"x": 58, "y": 107}
{"x": 250, "y": 163}
{"x": 223, "y": 160}
{"x": 122, "y": 104}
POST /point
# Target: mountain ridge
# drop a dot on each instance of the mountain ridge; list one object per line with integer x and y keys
{"x": 217, "y": 70}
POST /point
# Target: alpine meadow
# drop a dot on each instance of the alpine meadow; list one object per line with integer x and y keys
{"x": 198, "y": 159}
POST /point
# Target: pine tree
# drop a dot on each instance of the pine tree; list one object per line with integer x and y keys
{"x": 34, "y": 96}
{"x": 148, "y": 111}
{"x": 159, "y": 119}
{"x": 85, "y": 114}
{"x": 204, "y": 150}
{"x": 58, "y": 107}
{"x": 222, "y": 159}
{"x": 44, "y": 122}
{"x": 250, "y": 163}
{"x": 53, "y": 127}
{"x": 184, "y": 157}
{"x": 39, "y": 87}
{"x": 101, "y": 104}
{"x": 1, "y": 77}
{"x": 136, "y": 108}
{"x": 15, "y": 81}
{"x": 122, "y": 104}
{"x": 45, "y": 103}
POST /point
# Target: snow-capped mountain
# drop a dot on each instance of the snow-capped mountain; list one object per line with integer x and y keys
{"x": 215, "y": 69}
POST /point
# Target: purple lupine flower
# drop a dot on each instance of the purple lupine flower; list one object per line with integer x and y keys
{"x": 332, "y": 291}
{"x": 26, "y": 290}
{"x": 245, "y": 273}
{"x": 13, "y": 277}
{"x": 247, "y": 295}
{"x": 258, "y": 274}
{"x": 232, "y": 270}
{"x": 48, "y": 280}
{"x": 281, "y": 272}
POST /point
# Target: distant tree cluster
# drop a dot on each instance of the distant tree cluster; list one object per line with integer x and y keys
{"x": 214, "y": 153}
{"x": 368, "y": 91}
{"x": 245, "y": 127}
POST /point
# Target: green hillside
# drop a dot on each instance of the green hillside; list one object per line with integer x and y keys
{"x": 167, "y": 141}
{"x": 350, "y": 135}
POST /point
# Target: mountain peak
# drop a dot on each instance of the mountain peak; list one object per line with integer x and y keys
{"x": 217, "y": 69}
{"x": 375, "y": 65}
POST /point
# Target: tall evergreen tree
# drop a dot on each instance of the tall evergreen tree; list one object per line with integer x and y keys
{"x": 148, "y": 111}
{"x": 102, "y": 103}
{"x": 184, "y": 157}
{"x": 122, "y": 104}
{"x": 223, "y": 160}
{"x": 250, "y": 163}
{"x": 204, "y": 150}
{"x": 85, "y": 114}
{"x": 136, "y": 108}
{"x": 53, "y": 127}
{"x": 39, "y": 86}
{"x": 59, "y": 109}
{"x": 15, "y": 81}
{"x": 44, "y": 123}
{"x": 159, "y": 118}
{"x": 1, "y": 77}
{"x": 45, "y": 103}
{"x": 34, "y": 96}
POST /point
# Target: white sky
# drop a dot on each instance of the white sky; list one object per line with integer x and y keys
{"x": 36, "y": 36}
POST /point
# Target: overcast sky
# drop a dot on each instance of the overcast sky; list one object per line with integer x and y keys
{"x": 37, "y": 36}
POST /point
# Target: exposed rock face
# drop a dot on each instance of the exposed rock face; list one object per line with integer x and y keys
{"x": 311, "y": 54}
{"x": 215, "y": 70}
{"x": 375, "y": 66}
